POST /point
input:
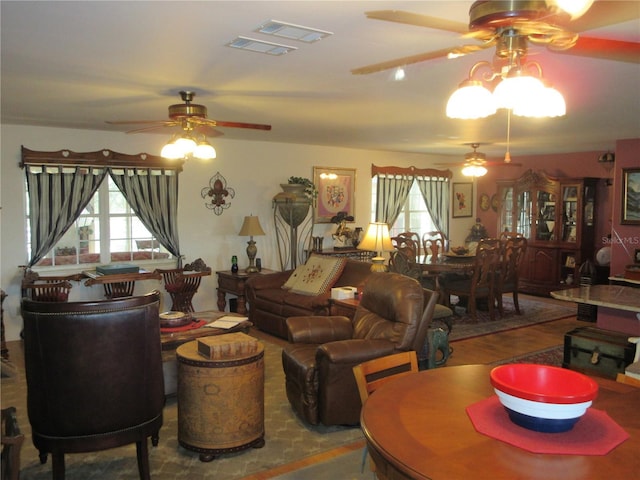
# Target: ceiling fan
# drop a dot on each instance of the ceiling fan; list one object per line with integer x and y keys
{"x": 476, "y": 159}
{"x": 190, "y": 117}
{"x": 512, "y": 24}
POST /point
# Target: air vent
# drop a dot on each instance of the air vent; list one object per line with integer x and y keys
{"x": 245, "y": 43}
{"x": 292, "y": 32}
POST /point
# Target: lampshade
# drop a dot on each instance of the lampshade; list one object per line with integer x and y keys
{"x": 517, "y": 88}
{"x": 251, "y": 227}
{"x": 377, "y": 239}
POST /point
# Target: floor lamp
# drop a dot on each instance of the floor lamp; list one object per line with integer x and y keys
{"x": 378, "y": 240}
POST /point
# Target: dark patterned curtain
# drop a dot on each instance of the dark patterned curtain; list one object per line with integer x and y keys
{"x": 392, "y": 193}
{"x": 61, "y": 184}
{"x": 153, "y": 196}
{"x": 435, "y": 192}
{"x": 394, "y": 184}
{"x": 57, "y": 196}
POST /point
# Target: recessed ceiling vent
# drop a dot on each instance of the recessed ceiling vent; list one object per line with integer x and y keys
{"x": 260, "y": 46}
{"x": 292, "y": 32}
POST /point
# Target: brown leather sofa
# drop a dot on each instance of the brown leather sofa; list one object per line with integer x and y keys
{"x": 271, "y": 305}
{"x": 94, "y": 376}
{"x": 394, "y": 315}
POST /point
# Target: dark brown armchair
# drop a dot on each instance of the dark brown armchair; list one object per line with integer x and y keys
{"x": 94, "y": 376}
{"x": 393, "y": 316}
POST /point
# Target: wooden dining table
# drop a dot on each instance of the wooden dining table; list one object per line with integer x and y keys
{"x": 417, "y": 427}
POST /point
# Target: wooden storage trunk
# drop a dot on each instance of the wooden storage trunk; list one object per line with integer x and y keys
{"x": 595, "y": 351}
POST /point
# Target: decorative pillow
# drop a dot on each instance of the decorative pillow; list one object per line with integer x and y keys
{"x": 320, "y": 274}
{"x": 294, "y": 277}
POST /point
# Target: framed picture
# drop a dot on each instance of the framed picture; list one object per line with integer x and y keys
{"x": 630, "y": 196}
{"x": 570, "y": 261}
{"x": 462, "y": 199}
{"x": 336, "y": 192}
{"x": 485, "y": 202}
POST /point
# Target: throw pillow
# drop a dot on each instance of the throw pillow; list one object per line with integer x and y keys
{"x": 320, "y": 274}
{"x": 294, "y": 277}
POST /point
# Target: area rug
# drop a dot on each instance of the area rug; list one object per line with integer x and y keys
{"x": 533, "y": 312}
{"x": 287, "y": 439}
{"x": 547, "y": 356}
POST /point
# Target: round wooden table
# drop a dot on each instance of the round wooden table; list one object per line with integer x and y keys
{"x": 417, "y": 427}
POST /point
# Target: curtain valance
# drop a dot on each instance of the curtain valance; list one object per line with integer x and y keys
{"x": 101, "y": 159}
{"x": 410, "y": 172}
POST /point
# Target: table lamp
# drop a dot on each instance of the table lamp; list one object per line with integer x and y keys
{"x": 251, "y": 227}
{"x": 377, "y": 239}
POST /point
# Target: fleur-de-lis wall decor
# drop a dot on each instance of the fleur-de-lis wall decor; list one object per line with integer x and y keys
{"x": 219, "y": 192}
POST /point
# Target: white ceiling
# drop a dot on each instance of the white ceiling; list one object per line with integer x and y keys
{"x": 78, "y": 64}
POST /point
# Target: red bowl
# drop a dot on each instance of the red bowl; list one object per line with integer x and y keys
{"x": 543, "y": 383}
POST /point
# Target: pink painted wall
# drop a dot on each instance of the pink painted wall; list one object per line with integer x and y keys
{"x": 625, "y": 239}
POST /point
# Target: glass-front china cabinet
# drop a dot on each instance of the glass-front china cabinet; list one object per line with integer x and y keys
{"x": 556, "y": 215}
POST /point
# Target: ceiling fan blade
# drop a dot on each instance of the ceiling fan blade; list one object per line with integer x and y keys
{"x": 134, "y": 122}
{"x": 400, "y": 62}
{"x": 502, "y": 164}
{"x": 607, "y": 49}
{"x": 157, "y": 126}
{"x": 602, "y": 14}
{"x": 255, "y": 126}
{"x": 418, "y": 20}
{"x": 468, "y": 49}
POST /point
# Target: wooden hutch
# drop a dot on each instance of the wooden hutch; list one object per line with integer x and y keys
{"x": 557, "y": 215}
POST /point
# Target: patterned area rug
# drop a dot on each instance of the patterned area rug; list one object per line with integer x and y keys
{"x": 533, "y": 312}
{"x": 547, "y": 356}
{"x": 287, "y": 439}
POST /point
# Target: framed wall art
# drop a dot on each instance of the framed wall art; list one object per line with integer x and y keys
{"x": 630, "y": 196}
{"x": 336, "y": 192}
{"x": 462, "y": 202}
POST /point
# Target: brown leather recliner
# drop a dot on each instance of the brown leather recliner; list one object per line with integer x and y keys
{"x": 394, "y": 315}
{"x": 94, "y": 376}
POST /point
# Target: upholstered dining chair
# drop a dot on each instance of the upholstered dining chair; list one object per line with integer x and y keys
{"x": 322, "y": 351}
{"x": 481, "y": 283}
{"x": 94, "y": 376}
{"x": 512, "y": 252}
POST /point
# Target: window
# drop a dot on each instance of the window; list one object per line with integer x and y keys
{"x": 413, "y": 217}
{"x": 106, "y": 231}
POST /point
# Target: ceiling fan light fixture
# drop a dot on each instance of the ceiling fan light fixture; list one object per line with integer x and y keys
{"x": 575, "y": 8}
{"x": 204, "y": 151}
{"x": 171, "y": 151}
{"x": 548, "y": 103}
{"x": 517, "y": 89}
{"x": 470, "y": 101}
{"x": 474, "y": 170}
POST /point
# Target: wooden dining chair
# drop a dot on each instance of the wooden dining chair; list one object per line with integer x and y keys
{"x": 47, "y": 291}
{"x": 372, "y": 374}
{"x": 182, "y": 284}
{"x": 507, "y": 281}
{"x": 481, "y": 284}
{"x": 409, "y": 246}
{"x": 433, "y": 243}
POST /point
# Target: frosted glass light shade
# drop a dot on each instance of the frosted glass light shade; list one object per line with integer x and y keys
{"x": 186, "y": 144}
{"x": 204, "y": 151}
{"x": 513, "y": 90}
{"x": 171, "y": 151}
{"x": 549, "y": 103}
{"x": 474, "y": 171}
{"x": 470, "y": 101}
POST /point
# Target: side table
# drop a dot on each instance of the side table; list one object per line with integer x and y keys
{"x": 233, "y": 283}
{"x": 221, "y": 399}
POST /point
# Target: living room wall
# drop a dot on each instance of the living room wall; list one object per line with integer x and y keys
{"x": 253, "y": 169}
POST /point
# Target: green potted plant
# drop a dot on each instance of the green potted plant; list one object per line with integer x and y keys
{"x": 309, "y": 187}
